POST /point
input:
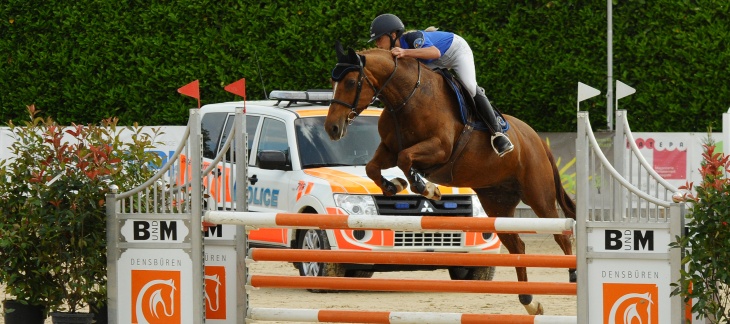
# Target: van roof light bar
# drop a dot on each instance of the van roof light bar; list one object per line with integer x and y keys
{"x": 312, "y": 96}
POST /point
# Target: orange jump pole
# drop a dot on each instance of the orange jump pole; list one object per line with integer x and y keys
{"x": 356, "y": 316}
{"x": 376, "y": 257}
{"x": 392, "y": 222}
{"x": 414, "y": 285}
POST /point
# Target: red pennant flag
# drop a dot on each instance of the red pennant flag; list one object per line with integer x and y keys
{"x": 191, "y": 89}
{"x": 237, "y": 88}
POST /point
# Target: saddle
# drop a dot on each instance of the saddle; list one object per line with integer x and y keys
{"x": 443, "y": 174}
{"x": 467, "y": 107}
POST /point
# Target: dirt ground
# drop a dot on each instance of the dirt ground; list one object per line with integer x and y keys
{"x": 423, "y": 302}
{"x": 419, "y": 302}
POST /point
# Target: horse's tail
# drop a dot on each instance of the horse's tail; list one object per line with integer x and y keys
{"x": 566, "y": 203}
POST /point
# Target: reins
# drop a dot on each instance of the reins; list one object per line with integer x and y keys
{"x": 418, "y": 84}
{"x": 355, "y": 110}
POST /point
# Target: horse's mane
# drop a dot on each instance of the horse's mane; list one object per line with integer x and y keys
{"x": 373, "y": 50}
{"x": 386, "y": 53}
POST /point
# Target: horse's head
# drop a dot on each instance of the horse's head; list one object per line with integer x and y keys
{"x": 349, "y": 99}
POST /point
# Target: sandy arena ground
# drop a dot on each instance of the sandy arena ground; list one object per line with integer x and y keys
{"x": 420, "y": 302}
{"x": 424, "y": 302}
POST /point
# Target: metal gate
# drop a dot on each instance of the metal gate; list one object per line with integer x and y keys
{"x": 162, "y": 264}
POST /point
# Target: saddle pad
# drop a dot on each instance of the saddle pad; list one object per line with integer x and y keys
{"x": 477, "y": 124}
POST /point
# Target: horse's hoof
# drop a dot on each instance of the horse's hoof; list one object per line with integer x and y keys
{"x": 389, "y": 188}
{"x": 400, "y": 184}
{"x": 419, "y": 187}
{"x": 572, "y": 275}
{"x": 432, "y": 192}
{"x": 534, "y": 308}
{"x": 392, "y": 187}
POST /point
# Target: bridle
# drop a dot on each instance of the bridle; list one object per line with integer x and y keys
{"x": 355, "y": 111}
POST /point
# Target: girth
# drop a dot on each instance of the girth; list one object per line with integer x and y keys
{"x": 443, "y": 174}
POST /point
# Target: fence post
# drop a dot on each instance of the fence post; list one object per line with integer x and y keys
{"x": 241, "y": 148}
{"x": 582, "y": 193}
{"x": 196, "y": 213}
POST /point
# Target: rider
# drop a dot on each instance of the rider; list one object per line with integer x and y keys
{"x": 444, "y": 50}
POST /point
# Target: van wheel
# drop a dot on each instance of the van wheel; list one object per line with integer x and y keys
{"x": 472, "y": 273}
{"x": 312, "y": 239}
{"x": 359, "y": 274}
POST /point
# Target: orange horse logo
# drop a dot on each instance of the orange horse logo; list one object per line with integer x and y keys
{"x": 630, "y": 303}
{"x": 215, "y": 292}
{"x": 155, "y": 296}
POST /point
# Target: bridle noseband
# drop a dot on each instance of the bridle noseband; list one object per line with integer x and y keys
{"x": 355, "y": 111}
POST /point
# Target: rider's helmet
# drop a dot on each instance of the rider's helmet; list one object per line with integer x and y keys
{"x": 386, "y": 24}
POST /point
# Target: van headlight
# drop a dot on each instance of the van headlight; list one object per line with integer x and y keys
{"x": 476, "y": 207}
{"x": 356, "y": 204}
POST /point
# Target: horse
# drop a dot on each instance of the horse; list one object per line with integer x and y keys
{"x": 422, "y": 133}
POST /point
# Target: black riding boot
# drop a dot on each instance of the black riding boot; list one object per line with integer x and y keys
{"x": 500, "y": 141}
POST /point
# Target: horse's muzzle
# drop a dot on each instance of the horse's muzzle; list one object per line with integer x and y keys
{"x": 336, "y": 131}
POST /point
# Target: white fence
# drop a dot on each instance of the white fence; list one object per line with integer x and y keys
{"x": 156, "y": 239}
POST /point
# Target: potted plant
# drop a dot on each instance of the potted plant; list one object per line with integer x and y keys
{"x": 706, "y": 261}
{"x": 53, "y": 241}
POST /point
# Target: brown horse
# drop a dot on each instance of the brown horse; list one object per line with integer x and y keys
{"x": 422, "y": 133}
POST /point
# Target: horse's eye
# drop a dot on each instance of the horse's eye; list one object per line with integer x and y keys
{"x": 350, "y": 84}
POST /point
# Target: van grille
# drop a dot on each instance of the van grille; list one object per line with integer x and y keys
{"x": 414, "y": 205}
{"x": 426, "y": 239}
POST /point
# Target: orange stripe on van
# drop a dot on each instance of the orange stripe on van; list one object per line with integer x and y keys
{"x": 456, "y": 190}
{"x": 345, "y": 182}
{"x": 335, "y": 187}
{"x": 300, "y": 189}
{"x": 323, "y": 112}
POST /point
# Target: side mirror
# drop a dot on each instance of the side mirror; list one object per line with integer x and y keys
{"x": 273, "y": 160}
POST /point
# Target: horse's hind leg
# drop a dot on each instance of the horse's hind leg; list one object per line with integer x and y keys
{"x": 567, "y": 246}
{"x": 515, "y": 245}
{"x": 543, "y": 204}
{"x": 502, "y": 202}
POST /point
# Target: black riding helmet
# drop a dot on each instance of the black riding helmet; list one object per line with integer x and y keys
{"x": 386, "y": 24}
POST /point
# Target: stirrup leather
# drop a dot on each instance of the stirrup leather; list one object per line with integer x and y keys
{"x": 507, "y": 150}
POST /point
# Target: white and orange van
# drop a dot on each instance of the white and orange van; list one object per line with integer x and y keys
{"x": 294, "y": 167}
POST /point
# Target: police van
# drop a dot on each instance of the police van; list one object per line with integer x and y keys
{"x": 294, "y": 167}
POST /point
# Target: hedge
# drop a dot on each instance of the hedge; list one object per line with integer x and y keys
{"x": 86, "y": 60}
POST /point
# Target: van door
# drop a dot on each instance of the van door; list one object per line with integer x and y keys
{"x": 216, "y": 128}
{"x": 268, "y": 182}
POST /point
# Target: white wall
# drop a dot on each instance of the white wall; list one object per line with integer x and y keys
{"x": 169, "y": 139}
{"x": 676, "y": 156}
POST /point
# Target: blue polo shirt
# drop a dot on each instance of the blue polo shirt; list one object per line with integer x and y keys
{"x": 422, "y": 39}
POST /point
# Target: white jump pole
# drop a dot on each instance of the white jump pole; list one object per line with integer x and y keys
{"x": 403, "y": 223}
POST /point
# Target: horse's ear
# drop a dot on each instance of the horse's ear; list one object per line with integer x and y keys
{"x": 354, "y": 58}
{"x": 341, "y": 56}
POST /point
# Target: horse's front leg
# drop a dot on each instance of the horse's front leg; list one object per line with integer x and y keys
{"x": 425, "y": 154}
{"x": 384, "y": 159}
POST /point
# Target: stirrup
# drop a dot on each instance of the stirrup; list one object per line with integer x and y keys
{"x": 506, "y": 150}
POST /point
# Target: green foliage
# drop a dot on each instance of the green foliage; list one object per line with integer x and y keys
{"x": 706, "y": 276}
{"x": 98, "y": 58}
{"x": 52, "y": 197}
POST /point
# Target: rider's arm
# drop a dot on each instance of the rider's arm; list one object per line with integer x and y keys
{"x": 424, "y": 53}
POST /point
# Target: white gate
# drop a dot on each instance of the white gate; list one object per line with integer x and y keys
{"x": 623, "y": 236}
{"x": 158, "y": 267}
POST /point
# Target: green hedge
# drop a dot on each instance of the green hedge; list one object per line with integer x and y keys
{"x": 81, "y": 61}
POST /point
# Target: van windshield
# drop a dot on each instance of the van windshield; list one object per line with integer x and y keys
{"x": 316, "y": 149}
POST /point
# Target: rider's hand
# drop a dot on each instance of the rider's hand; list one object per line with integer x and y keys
{"x": 398, "y": 52}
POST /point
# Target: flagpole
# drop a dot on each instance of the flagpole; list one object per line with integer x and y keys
{"x": 609, "y": 83}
